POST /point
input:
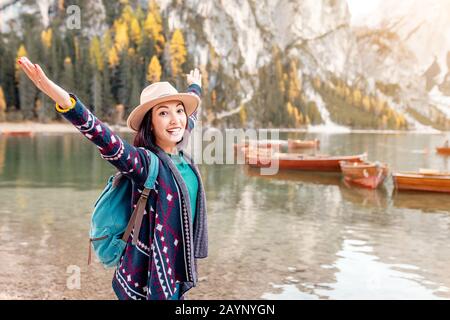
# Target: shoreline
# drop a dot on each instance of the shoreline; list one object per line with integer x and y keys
{"x": 61, "y": 127}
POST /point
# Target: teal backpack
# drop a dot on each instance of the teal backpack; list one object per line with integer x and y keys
{"x": 112, "y": 220}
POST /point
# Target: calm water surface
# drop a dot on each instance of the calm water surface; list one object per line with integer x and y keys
{"x": 289, "y": 236}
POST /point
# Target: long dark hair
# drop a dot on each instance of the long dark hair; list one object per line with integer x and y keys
{"x": 144, "y": 137}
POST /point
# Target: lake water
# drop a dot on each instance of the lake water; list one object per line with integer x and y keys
{"x": 290, "y": 236}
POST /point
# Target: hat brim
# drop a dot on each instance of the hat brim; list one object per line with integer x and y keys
{"x": 189, "y": 100}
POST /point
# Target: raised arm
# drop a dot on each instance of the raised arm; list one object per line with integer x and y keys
{"x": 128, "y": 159}
{"x": 194, "y": 80}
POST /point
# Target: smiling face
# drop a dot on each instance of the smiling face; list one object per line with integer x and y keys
{"x": 168, "y": 123}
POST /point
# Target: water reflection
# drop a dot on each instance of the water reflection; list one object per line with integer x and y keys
{"x": 377, "y": 198}
{"x": 362, "y": 275}
{"x": 295, "y": 235}
{"x": 362, "y": 196}
{"x": 427, "y": 202}
{"x": 52, "y": 161}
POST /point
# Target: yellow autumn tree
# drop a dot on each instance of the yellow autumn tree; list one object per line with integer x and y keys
{"x": 357, "y": 97}
{"x": 366, "y": 103}
{"x": 96, "y": 53}
{"x": 121, "y": 40}
{"x": 177, "y": 52}
{"x": 153, "y": 26}
{"x": 279, "y": 74}
{"x": 135, "y": 31}
{"x": 46, "y": 37}
{"x": 21, "y": 52}
{"x": 76, "y": 44}
{"x": 113, "y": 57}
{"x": 243, "y": 115}
{"x": 294, "y": 114}
{"x": 154, "y": 70}
{"x": 2, "y": 106}
{"x": 131, "y": 52}
{"x": 127, "y": 14}
{"x": 294, "y": 82}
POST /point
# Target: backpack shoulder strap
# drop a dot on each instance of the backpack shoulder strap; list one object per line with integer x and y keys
{"x": 153, "y": 171}
{"x": 138, "y": 212}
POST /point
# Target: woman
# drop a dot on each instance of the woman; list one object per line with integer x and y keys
{"x": 162, "y": 265}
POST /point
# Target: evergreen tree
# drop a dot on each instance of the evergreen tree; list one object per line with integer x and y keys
{"x": 84, "y": 73}
{"x": 121, "y": 83}
{"x": 108, "y": 99}
{"x": 67, "y": 79}
{"x": 96, "y": 54}
{"x": 27, "y": 92}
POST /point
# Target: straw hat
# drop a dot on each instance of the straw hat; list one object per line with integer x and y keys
{"x": 156, "y": 93}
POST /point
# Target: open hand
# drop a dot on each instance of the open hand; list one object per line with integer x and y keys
{"x": 43, "y": 83}
{"x": 194, "y": 77}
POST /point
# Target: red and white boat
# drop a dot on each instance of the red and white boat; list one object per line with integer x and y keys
{"x": 364, "y": 174}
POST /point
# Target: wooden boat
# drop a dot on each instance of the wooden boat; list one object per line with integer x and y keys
{"x": 17, "y": 133}
{"x": 301, "y": 161}
{"x": 443, "y": 150}
{"x": 364, "y": 174}
{"x": 257, "y": 147}
{"x": 260, "y": 144}
{"x": 303, "y": 144}
{"x": 300, "y": 177}
{"x": 424, "y": 180}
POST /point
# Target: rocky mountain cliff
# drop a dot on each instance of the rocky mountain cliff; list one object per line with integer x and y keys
{"x": 302, "y": 62}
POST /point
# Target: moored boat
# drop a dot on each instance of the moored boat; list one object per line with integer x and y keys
{"x": 257, "y": 147}
{"x": 17, "y": 133}
{"x": 303, "y": 144}
{"x": 301, "y": 161}
{"x": 424, "y": 180}
{"x": 364, "y": 174}
{"x": 443, "y": 150}
{"x": 260, "y": 144}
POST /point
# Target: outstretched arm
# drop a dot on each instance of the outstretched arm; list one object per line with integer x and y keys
{"x": 194, "y": 80}
{"x": 128, "y": 159}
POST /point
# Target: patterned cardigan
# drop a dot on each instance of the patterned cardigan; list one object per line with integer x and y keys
{"x": 169, "y": 242}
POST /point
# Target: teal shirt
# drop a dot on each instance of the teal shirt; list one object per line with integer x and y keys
{"x": 190, "y": 179}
